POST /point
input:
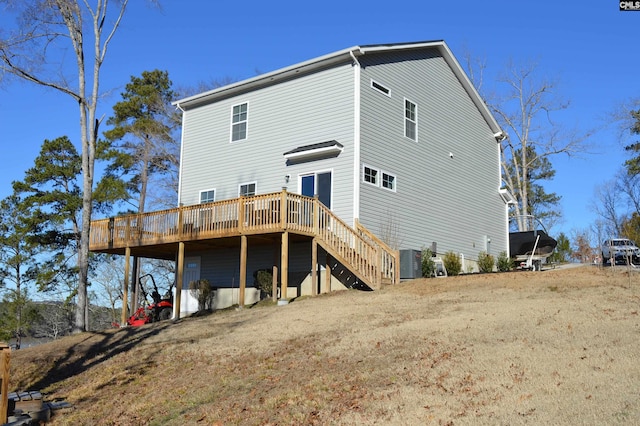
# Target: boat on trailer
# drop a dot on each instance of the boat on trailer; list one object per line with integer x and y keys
{"x": 529, "y": 242}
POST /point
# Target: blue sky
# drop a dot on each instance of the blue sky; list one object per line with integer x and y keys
{"x": 589, "y": 46}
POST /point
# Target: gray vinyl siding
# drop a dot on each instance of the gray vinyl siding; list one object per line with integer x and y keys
{"x": 310, "y": 109}
{"x": 452, "y": 201}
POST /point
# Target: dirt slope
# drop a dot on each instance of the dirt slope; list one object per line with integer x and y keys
{"x": 551, "y": 347}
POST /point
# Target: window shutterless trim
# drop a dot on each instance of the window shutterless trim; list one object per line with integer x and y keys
{"x": 410, "y": 116}
{"x": 381, "y": 176}
{"x": 207, "y": 200}
{"x": 385, "y": 177}
{"x": 375, "y": 175}
{"x": 239, "y": 120}
{"x": 255, "y": 188}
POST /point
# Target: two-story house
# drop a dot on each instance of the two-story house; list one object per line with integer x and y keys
{"x": 394, "y": 143}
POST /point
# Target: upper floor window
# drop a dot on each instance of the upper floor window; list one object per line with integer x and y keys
{"x": 247, "y": 189}
{"x": 208, "y": 196}
{"x": 239, "y": 119}
{"x": 370, "y": 175}
{"x": 410, "y": 120}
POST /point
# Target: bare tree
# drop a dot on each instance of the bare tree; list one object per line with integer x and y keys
{"x": 624, "y": 121}
{"x": 55, "y": 320}
{"x": 616, "y": 201}
{"x": 525, "y": 112}
{"x": 583, "y": 251}
{"x": 390, "y": 231}
{"x": 108, "y": 277}
{"x": 629, "y": 185}
{"x": 27, "y": 53}
{"x": 524, "y": 105}
{"x": 607, "y": 204}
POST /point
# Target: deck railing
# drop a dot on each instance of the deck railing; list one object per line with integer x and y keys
{"x": 389, "y": 258}
{"x": 268, "y": 213}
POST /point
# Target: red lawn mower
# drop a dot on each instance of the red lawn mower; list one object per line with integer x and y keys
{"x": 161, "y": 309}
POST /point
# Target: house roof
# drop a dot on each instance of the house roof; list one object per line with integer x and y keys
{"x": 338, "y": 57}
{"x": 314, "y": 150}
{"x": 315, "y": 147}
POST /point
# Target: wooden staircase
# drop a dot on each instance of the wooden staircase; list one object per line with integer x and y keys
{"x": 369, "y": 259}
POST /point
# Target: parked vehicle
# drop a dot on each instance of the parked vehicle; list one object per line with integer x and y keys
{"x": 159, "y": 310}
{"x": 620, "y": 250}
{"x": 529, "y": 243}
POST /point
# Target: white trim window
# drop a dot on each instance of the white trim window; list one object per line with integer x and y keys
{"x": 380, "y": 88}
{"x": 239, "y": 121}
{"x": 370, "y": 175}
{"x": 379, "y": 178}
{"x": 207, "y": 196}
{"x": 410, "y": 119}
{"x": 388, "y": 181}
{"x": 247, "y": 189}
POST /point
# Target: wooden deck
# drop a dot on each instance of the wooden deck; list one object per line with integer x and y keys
{"x": 157, "y": 234}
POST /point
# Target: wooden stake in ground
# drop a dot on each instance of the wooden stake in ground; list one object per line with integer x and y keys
{"x": 5, "y": 356}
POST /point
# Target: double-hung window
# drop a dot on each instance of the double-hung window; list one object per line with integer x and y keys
{"x": 239, "y": 121}
{"x": 410, "y": 120}
{"x": 247, "y": 189}
{"x": 207, "y": 196}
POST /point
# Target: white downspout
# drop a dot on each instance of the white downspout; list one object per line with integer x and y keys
{"x": 184, "y": 117}
{"x": 356, "y": 138}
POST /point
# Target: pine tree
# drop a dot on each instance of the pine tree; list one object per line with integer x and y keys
{"x": 141, "y": 141}
{"x": 20, "y": 265}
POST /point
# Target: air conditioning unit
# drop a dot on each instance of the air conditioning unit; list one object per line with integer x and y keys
{"x": 410, "y": 264}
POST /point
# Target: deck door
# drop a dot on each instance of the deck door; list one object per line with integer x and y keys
{"x": 191, "y": 271}
{"x": 317, "y": 183}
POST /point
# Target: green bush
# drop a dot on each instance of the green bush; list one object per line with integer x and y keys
{"x": 485, "y": 262}
{"x": 504, "y": 263}
{"x": 264, "y": 281}
{"x": 201, "y": 289}
{"x": 452, "y": 263}
{"x": 428, "y": 265}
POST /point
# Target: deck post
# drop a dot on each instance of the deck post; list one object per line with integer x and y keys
{"x": 283, "y": 208}
{"x": 127, "y": 229}
{"x": 379, "y": 262}
{"x": 327, "y": 275}
{"x": 125, "y": 286}
{"x": 5, "y": 357}
{"x": 179, "y": 278}
{"x": 180, "y": 220}
{"x": 134, "y": 285}
{"x": 274, "y": 283}
{"x": 316, "y": 215}
{"x": 314, "y": 267}
{"x": 243, "y": 269}
{"x": 284, "y": 265}
{"x": 241, "y": 214}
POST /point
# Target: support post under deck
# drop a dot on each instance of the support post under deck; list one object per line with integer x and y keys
{"x": 179, "y": 278}
{"x": 125, "y": 286}
{"x": 284, "y": 265}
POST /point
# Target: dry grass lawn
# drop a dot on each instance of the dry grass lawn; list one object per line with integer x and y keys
{"x": 552, "y": 347}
